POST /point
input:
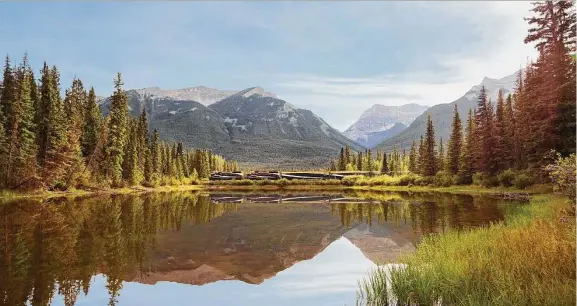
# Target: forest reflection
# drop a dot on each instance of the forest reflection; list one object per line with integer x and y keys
{"x": 55, "y": 246}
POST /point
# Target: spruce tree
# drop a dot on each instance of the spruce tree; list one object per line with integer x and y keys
{"x": 455, "y": 143}
{"x": 342, "y": 164}
{"x": 485, "y": 156}
{"x": 92, "y": 124}
{"x": 360, "y": 161}
{"x": 441, "y": 156}
{"x": 413, "y": 158}
{"x": 117, "y": 132}
{"x": 21, "y": 142}
{"x": 466, "y": 167}
{"x": 429, "y": 160}
{"x": 421, "y": 157}
{"x": 384, "y": 166}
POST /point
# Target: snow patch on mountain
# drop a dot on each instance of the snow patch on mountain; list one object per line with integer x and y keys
{"x": 380, "y": 118}
{"x": 201, "y": 94}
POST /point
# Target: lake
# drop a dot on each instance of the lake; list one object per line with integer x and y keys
{"x": 187, "y": 248}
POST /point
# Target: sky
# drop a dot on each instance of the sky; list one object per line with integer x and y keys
{"x": 324, "y": 280}
{"x": 334, "y": 58}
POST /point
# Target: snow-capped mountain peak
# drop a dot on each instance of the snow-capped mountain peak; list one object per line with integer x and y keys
{"x": 201, "y": 94}
{"x": 372, "y": 126}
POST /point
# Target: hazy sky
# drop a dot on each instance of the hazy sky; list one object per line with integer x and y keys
{"x": 334, "y": 58}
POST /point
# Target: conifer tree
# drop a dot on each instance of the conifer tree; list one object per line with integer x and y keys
{"x": 333, "y": 167}
{"x": 347, "y": 155}
{"x": 360, "y": 161}
{"x": 117, "y": 132}
{"x": 455, "y": 143}
{"x": 508, "y": 134}
{"x": 484, "y": 154}
{"x": 429, "y": 160}
{"x": 466, "y": 167}
{"x": 92, "y": 124}
{"x": 413, "y": 158}
{"x": 421, "y": 156}
{"x": 384, "y": 165}
{"x": 369, "y": 160}
{"x": 8, "y": 95}
{"x": 342, "y": 165}
{"x": 155, "y": 153}
{"x": 441, "y": 156}
{"x": 21, "y": 142}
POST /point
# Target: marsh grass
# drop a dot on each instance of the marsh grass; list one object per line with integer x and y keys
{"x": 527, "y": 260}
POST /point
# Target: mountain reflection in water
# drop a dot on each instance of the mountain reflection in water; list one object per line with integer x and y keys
{"x": 241, "y": 249}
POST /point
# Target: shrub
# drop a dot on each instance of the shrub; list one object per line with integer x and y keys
{"x": 407, "y": 180}
{"x": 522, "y": 181}
{"x": 490, "y": 181}
{"x": 506, "y": 178}
{"x": 562, "y": 173}
{"x": 443, "y": 179}
{"x": 477, "y": 178}
{"x": 349, "y": 180}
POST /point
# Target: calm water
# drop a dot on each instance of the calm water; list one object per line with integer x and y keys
{"x": 216, "y": 249}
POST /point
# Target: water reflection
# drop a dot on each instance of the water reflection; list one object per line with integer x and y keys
{"x": 53, "y": 250}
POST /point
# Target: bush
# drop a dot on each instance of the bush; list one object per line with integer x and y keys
{"x": 477, "y": 178}
{"x": 506, "y": 178}
{"x": 523, "y": 181}
{"x": 407, "y": 180}
{"x": 562, "y": 173}
{"x": 443, "y": 179}
{"x": 350, "y": 180}
{"x": 490, "y": 181}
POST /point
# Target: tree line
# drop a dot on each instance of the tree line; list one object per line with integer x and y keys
{"x": 51, "y": 141}
{"x": 519, "y": 132}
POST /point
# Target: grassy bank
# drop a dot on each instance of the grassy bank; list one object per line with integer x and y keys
{"x": 527, "y": 260}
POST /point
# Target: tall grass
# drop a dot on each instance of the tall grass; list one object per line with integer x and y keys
{"x": 527, "y": 260}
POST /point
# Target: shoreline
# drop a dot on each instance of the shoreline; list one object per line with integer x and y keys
{"x": 460, "y": 189}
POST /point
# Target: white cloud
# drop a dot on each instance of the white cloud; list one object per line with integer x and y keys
{"x": 499, "y": 52}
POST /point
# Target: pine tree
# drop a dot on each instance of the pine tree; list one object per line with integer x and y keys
{"x": 429, "y": 160}
{"x": 466, "y": 161}
{"x": 21, "y": 155}
{"x": 369, "y": 160}
{"x": 421, "y": 156}
{"x": 484, "y": 153}
{"x": 441, "y": 156}
{"x": 360, "y": 161}
{"x": 342, "y": 164}
{"x": 130, "y": 171}
{"x": 508, "y": 134}
{"x": 117, "y": 132}
{"x": 385, "y": 166}
{"x": 92, "y": 124}
{"x": 8, "y": 95}
{"x": 413, "y": 158}
{"x": 333, "y": 167}
{"x": 553, "y": 31}
{"x": 455, "y": 143}
{"x": 347, "y": 155}
{"x": 155, "y": 154}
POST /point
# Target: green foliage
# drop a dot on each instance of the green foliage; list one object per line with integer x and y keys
{"x": 562, "y": 174}
{"x": 527, "y": 260}
{"x": 489, "y": 181}
{"x": 507, "y": 177}
{"x": 443, "y": 179}
{"x": 523, "y": 180}
{"x": 477, "y": 178}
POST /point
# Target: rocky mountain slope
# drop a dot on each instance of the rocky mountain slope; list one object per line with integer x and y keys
{"x": 442, "y": 114}
{"x": 381, "y": 122}
{"x": 251, "y": 126}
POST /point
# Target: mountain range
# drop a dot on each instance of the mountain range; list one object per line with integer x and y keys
{"x": 381, "y": 122}
{"x": 261, "y": 131}
{"x": 442, "y": 114}
{"x": 251, "y": 126}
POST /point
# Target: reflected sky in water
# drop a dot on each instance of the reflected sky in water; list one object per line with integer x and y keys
{"x": 198, "y": 249}
{"x": 329, "y": 278}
